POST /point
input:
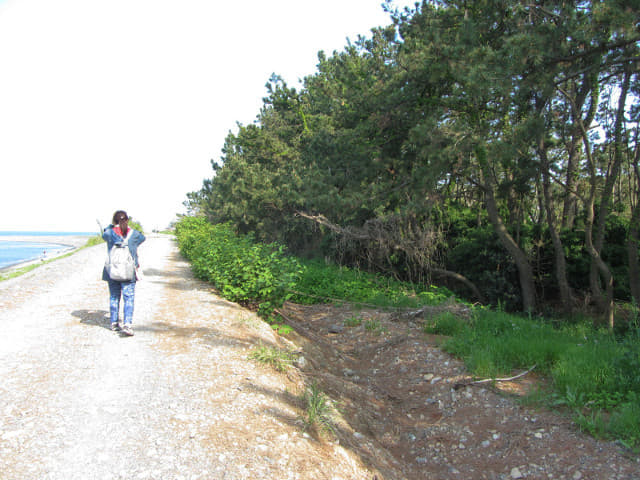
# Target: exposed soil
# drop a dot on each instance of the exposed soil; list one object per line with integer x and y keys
{"x": 181, "y": 399}
{"x": 413, "y": 411}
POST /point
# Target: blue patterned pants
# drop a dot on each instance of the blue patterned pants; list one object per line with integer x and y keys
{"x": 126, "y": 290}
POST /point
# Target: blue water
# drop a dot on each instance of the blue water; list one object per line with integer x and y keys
{"x": 13, "y": 252}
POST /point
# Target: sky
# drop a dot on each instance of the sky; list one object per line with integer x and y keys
{"x": 122, "y": 104}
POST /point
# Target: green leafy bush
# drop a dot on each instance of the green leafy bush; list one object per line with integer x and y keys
{"x": 241, "y": 269}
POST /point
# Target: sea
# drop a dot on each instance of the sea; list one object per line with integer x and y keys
{"x": 13, "y": 252}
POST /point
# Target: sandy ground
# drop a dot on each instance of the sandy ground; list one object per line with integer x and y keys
{"x": 181, "y": 399}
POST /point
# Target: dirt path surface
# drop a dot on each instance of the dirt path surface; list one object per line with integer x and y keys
{"x": 180, "y": 399}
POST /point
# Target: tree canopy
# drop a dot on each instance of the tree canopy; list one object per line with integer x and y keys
{"x": 491, "y": 144}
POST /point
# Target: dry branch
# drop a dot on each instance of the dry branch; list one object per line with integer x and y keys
{"x": 492, "y": 380}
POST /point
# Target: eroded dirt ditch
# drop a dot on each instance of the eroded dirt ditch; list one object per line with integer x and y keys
{"x": 405, "y": 408}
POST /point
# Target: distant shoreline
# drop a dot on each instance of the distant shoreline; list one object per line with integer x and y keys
{"x": 71, "y": 242}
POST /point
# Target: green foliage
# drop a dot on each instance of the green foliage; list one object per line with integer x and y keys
{"x": 281, "y": 328}
{"x": 95, "y": 240}
{"x": 445, "y": 323}
{"x": 626, "y": 366}
{"x": 386, "y": 129}
{"x": 594, "y": 375}
{"x": 501, "y": 342}
{"x": 241, "y": 269}
{"x": 614, "y": 252}
{"x": 625, "y": 420}
{"x": 586, "y": 369}
{"x": 320, "y": 282}
{"x": 135, "y": 225}
{"x": 479, "y": 256}
{"x": 247, "y": 271}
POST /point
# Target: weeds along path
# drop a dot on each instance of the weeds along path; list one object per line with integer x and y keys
{"x": 179, "y": 400}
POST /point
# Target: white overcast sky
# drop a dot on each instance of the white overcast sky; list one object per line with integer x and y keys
{"x": 121, "y": 104}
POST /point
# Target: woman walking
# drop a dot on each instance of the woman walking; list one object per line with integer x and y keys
{"x": 119, "y": 234}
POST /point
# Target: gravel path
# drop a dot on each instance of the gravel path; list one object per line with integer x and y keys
{"x": 179, "y": 400}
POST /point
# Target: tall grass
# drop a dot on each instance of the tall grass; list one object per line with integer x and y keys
{"x": 318, "y": 411}
{"x": 593, "y": 374}
{"x": 279, "y": 360}
{"x": 320, "y": 282}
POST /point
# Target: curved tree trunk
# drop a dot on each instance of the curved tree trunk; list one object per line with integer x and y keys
{"x": 633, "y": 242}
{"x": 560, "y": 261}
{"x": 571, "y": 199}
{"x": 462, "y": 279}
{"x": 573, "y": 147}
{"x": 595, "y": 248}
{"x": 525, "y": 272}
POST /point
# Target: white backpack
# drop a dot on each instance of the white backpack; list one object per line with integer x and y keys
{"x": 120, "y": 265}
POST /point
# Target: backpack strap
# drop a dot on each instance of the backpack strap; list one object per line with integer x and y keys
{"x": 126, "y": 239}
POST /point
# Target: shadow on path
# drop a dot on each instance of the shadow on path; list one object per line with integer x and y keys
{"x": 96, "y": 318}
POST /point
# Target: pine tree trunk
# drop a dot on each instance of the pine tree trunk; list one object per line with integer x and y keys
{"x": 633, "y": 242}
{"x": 633, "y": 245}
{"x": 525, "y": 272}
{"x": 606, "y": 200}
{"x": 560, "y": 261}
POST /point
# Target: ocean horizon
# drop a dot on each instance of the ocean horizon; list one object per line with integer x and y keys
{"x": 14, "y": 251}
{"x": 43, "y": 233}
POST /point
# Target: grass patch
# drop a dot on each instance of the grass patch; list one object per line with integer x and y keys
{"x": 445, "y": 323}
{"x": 593, "y": 374}
{"x": 279, "y": 360}
{"x": 322, "y": 283}
{"x": 353, "y": 322}
{"x": 318, "y": 410}
{"x": 374, "y": 326}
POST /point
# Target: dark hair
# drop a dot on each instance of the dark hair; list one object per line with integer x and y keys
{"x": 117, "y": 214}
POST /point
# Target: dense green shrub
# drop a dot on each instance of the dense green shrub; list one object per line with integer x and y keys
{"x": 247, "y": 271}
{"x": 241, "y": 269}
{"x": 614, "y": 253}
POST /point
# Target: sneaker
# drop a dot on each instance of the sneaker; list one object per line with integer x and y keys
{"x": 127, "y": 330}
{"x": 115, "y": 326}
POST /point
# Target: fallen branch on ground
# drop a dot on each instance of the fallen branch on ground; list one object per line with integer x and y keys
{"x": 487, "y": 380}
